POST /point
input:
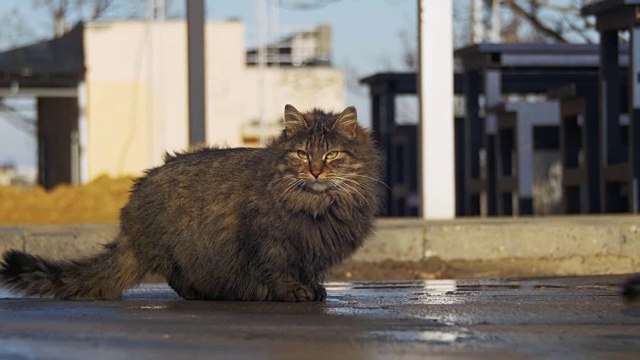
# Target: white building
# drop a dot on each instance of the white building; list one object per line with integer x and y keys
{"x": 112, "y": 96}
{"x": 136, "y": 85}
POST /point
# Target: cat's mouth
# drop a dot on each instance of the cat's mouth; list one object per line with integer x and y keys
{"x": 316, "y": 186}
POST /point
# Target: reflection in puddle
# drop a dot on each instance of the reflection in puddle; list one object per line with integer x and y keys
{"x": 350, "y": 311}
{"x": 338, "y": 286}
{"x": 438, "y": 292}
{"x": 421, "y": 291}
{"x": 427, "y": 336}
{"x": 439, "y": 287}
{"x": 152, "y": 307}
{"x": 388, "y": 285}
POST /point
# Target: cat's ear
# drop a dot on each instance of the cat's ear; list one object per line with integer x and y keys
{"x": 347, "y": 123}
{"x": 293, "y": 120}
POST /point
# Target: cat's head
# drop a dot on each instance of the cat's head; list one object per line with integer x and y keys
{"x": 327, "y": 152}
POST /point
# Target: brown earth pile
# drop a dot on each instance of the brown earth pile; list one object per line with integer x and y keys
{"x": 97, "y": 202}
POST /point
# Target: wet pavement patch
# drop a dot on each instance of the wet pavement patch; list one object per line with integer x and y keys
{"x": 501, "y": 318}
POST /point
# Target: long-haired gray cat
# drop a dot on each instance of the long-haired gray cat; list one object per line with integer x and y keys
{"x": 233, "y": 224}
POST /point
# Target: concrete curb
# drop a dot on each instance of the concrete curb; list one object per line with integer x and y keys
{"x": 586, "y": 244}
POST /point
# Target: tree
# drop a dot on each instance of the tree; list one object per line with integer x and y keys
{"x": 61, "y": 11}
{"x": 546, "y": 21}
{"x": 60, "y": 17}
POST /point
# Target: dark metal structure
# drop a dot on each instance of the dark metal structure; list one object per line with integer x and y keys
{"x": 494, "y": 70}
{"x": 580, "y": 142}
{"x": 522, "y": 128}
{"x": 398, "y": 142}
{"x": 620, "y": 163}
{"x": 490, "y": 72}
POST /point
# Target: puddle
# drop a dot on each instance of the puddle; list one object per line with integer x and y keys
{"x": 338, "y": 286}
{"x": 488, "y": 287}
{"x": 432, "y": 336}
{"x": 14, "y": 352}
{"x": 388, "y": 285}
{"x": 352, "y": 310}
{"x": 151, "y": 307}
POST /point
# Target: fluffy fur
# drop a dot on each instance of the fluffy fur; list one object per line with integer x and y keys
{"x": 233, "y": 224}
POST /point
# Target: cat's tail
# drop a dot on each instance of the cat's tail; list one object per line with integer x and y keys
{"x": 104, "y": 276}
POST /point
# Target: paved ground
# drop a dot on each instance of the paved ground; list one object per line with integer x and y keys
{"x": 555, "y": 318}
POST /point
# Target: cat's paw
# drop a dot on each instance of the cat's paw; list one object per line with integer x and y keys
{"x": 320, "y": 292}
{"x": 296, "y": 293}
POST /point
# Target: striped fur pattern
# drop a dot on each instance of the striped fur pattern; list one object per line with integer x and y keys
{"x": 233, "y": 224}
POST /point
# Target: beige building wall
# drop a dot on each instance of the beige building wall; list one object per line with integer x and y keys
{"x": 302, "y": 87}
{"x": 136, "y": 83}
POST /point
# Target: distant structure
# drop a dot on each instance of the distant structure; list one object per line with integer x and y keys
{"x": 8, "y": 174}
{"x": 112, "y": 96}
{"x": 11, "y": 175}
{"x": 302, "y": 48}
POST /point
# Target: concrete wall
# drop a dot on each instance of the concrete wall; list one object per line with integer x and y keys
{"x": 136, "y": 85}
{"x": 501, "y": 247}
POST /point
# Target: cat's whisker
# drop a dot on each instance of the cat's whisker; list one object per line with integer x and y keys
{"x": 355, "y": 182}
{"x": 372, "y": 178}
{"x": 365, "y": 187}
{"x": 350, "y": 187}
{"x": 280, "y": 178}
{"x": 301, "y": 183}
{"x": 288, "y": 183}
{"x": 294, "y": 184}
{"x": 337, "y": 184}
{"x": 284, "y": 186}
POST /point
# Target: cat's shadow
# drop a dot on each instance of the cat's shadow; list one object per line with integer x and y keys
{"x": 165, "y": 299}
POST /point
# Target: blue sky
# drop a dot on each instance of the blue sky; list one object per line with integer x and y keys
{"x": 366, "y": 40}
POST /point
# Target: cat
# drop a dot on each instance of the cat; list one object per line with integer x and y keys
{"x": 249, "y": 224}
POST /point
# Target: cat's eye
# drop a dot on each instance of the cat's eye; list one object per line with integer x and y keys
{"x": 302, "y": 155}
{"x": 331, "y": 155}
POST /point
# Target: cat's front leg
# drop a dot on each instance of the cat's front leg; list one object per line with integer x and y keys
{"x": 290, "y": 290}
{"x": 320, "y": 292}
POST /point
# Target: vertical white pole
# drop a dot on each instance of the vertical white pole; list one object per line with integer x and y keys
{"x": 275, "y": 60}
{"x": 83, "y": 135}
{"x": 478, "y": 21}
{"x": 151, "y": 123}
{"x": 496, "y": 22}
{"x": 262, "y": 15}
{"x": 435, "y": 83}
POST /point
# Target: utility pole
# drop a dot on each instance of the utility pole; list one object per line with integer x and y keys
{"x": 263, "y": 29}
{"x": 195, "y": 63}
{"x": 496, "y": 22}
{"x": 477, "y": 28}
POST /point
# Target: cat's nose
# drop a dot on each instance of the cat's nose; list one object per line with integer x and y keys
{"x": 315, "y": 168}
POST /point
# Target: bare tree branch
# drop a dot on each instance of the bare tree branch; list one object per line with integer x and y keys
{"x": 100, "y": 7}
{"x": 579, "y": 29}
{"x": 534, "y": 20}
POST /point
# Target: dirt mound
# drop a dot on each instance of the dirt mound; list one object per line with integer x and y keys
{"x": 97, "y": 202}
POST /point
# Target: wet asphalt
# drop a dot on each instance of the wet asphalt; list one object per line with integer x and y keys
{"x": 552, "y": 318}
